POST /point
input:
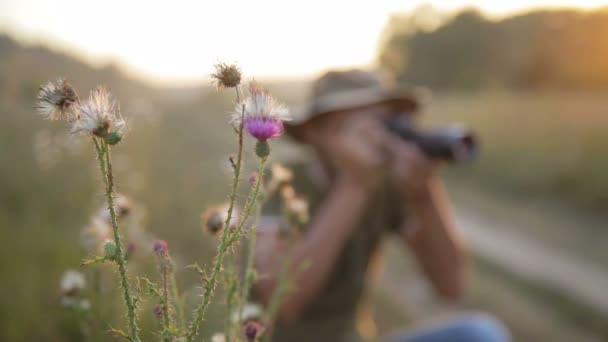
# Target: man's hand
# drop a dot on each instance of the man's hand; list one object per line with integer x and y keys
{"x": 358, "y": 152}
{"x": 410, "y": 167}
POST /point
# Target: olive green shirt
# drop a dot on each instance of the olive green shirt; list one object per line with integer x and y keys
{"x": 332, "y": 316}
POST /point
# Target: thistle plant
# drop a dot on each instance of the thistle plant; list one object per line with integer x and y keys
{"x": 258, "y": 115}
{"x": 98, "y": 117}
{"x": 261, "y": 117}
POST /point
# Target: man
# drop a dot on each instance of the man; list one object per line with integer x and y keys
{"x": 364, "y": 182}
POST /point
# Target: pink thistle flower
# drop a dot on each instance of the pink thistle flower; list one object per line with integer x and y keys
{"x": 161, "y": 248}
{"x": 261, "y": 114}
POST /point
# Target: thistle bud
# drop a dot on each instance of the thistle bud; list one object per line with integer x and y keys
{"x": 262, "y": 149}
{"x": 113, "y": 138}
{"x": 161, "y": 248}
{"x": 158, "y": 311}
{"x": 109, "y": 249}
{"x": 252, "y": 330}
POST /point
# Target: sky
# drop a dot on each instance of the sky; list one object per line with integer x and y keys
{"x": 178, "y": 41}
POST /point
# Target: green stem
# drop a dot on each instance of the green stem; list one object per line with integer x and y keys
{"x": 225, "y": 244}
{"x": 250, "y": 202}
{"x": 102, "y": 162}
{"x": 249, "y": 271}
{"x": 165, "y": 280}
{"x": 281, "y": 290}
{"x": 209, "y": 289}
{"x": 120, "y": 259}
{"x": 178, "y": 304}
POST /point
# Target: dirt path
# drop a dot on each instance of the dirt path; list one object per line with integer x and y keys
{"x": 534, "y": 260}
{"x": 519, "y": 255}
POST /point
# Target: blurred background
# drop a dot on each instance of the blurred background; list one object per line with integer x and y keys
{"x": 531, "y": 77}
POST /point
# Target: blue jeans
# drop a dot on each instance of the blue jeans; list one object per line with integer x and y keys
{"x": 475, "y": 328}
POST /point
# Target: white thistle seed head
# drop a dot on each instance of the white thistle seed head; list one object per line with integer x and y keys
{"x": 99, "y": 114}
{"x": 260, "y": 104}
{"x": 72, "y": 282}
{"x": 56, "y": 100}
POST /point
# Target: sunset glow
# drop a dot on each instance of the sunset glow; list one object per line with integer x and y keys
{"x": 177, "y": 42}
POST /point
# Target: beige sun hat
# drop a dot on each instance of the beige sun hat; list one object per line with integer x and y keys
{"x": 350, "y": 89}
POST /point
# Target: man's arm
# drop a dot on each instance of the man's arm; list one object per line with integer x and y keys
{"x": 320, "y": 246}
{"x": 430, "y": 233}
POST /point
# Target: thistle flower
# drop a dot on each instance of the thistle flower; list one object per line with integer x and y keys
{"x": 72, "y": 282}
{"x": 55, "y": 100}
{"x": 263, "y": 116}
{"x": 213, "y": 219}
{"x": 99, "y": 115}
{"x": 161, "y": 248}
{"x": 253, "y": 329}
{"x": 226, "y": 75}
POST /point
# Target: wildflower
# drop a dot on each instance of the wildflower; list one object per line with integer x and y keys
{"x": 226, "y": 75}
{"x": 55, "y": 100}
{"x": 263, "y": 116}
{"x": 99, "y": 115}
{"x": 213, "y": 219}
{"x": 297, "y": 211}
{"x": 131, "y": 248}
{"x": 219, "y": 337}
{"x": 94, "y": 234}
{"x": 72, "y": 282}
{"x": 252, "y": 330}
{"x": 161, "y": 248}
{"x": 250, "y": 311}
{"x": 158, "y": 311}
{"x": 280, "y": 176}
{"x": 287, "y": 193}
{"x": 123, "y": 206}
{"x": 253, "y": 178}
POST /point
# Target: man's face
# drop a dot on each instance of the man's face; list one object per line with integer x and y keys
{"x": 320, "y": 131}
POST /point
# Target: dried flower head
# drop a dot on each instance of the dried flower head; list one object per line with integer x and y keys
{"x": 263, "y": 116}
{"x": 280, "y": 176}
{"x": 72, "y": 282}
{"x": 219, "y": 337}
{"x": 214, "y": 218}
{"x": 123, "y": 206}
{"x": 252, "y": 330}
{"x": 161, "y": 248}
{"x": 250, "y": 311}
{"x": 99, "y": 114}
{"x": 297, "y": 210}
{"x": 226, "y": 75}
{"x": 55, "y": 100}
{"x": 94, "y": 234}
{"x": 287, "y": 193}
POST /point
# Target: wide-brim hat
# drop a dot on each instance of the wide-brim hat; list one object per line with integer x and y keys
{"x": 343, "y": 90}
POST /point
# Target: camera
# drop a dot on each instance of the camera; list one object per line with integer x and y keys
{"x": 454, "y": 143}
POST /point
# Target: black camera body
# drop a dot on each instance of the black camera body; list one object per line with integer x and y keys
{"x": 453, "y": 144}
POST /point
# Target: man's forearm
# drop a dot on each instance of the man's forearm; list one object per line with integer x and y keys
{"x": 320, "y": 246}
{"x": 431, "y": 234}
